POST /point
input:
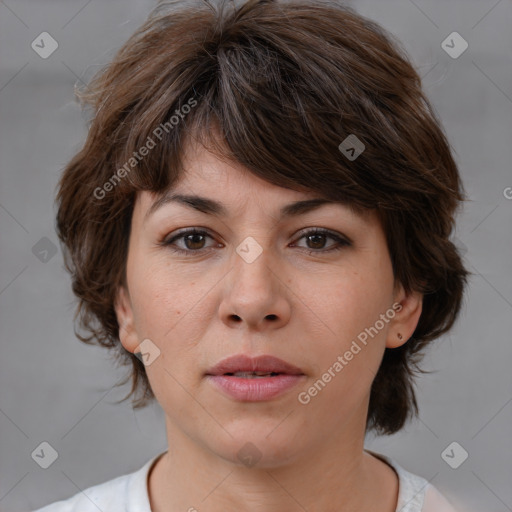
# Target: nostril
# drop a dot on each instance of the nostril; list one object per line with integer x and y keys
{"x": 271, "y": 317}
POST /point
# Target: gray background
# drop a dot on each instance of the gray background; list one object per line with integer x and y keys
{"x": 54, "y": 388}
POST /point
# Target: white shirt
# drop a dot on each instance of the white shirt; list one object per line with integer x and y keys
{"x": 129, "y": 493}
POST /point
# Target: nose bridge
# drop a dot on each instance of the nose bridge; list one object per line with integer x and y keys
{"x": 254, "y": 293}
{"x": 253, "y": 279}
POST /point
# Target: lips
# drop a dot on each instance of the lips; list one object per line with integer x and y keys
{"x": 254, "y": 367}
{"x": 254, "y": 379}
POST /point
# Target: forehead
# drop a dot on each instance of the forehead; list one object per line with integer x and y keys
{"x": 207, "y": 174}
{"x": 220, "y": 186}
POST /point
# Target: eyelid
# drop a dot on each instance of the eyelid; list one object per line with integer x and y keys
{"x": 300, "y": 233}
{"x": 341, "y": 240}
{"x": 180, "y": 233}
{"x": 325, "y": 231}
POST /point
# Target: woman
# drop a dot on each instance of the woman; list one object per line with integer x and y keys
{"x": 259, "y": 226}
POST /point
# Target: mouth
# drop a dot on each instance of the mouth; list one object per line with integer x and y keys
{"x": 252, "y": 375}
{"x": 247, "y": 379}
{"x": 254, "y": 367}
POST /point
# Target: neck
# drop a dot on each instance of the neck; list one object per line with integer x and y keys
{"x": 331, "y": 476}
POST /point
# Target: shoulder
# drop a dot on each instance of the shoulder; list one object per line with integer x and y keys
{"x": 93, "y": 498}
{"x": 435, "y": 501}
{"x": 415, "y": 493}
{"x": 122, "y": 494}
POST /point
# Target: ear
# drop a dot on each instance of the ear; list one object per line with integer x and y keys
{"x": 125, "y": 319}
{"x": 408, "y": 307}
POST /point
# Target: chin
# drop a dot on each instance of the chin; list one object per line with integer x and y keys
{"x": 259, "y": 444}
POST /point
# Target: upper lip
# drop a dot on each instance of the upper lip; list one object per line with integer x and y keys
{"x": 245, "y": 363}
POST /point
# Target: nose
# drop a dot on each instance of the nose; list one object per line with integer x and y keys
{"x": 255, "y": 295}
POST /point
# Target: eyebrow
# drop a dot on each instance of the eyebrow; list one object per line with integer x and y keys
{"x": 211, "y": 207}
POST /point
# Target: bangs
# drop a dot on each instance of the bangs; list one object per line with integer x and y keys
{"x": 279, "y": 105}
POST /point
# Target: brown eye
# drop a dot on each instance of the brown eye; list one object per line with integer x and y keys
{"x": 188, "y": 242}
{"x": 316, "y": 241}
{"x": 317, "y": 238}
{"x": 194, "y": 241}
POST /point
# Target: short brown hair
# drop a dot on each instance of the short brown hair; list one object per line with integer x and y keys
{"x": 285, "y": 84}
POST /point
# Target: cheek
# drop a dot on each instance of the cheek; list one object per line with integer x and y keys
{"x": 168, "y": 313}
{"x": 347, "y": 349}
{"x": 170, "y": 308}
{"x": 349, "y": 301}
{"x": 344, "y": 318}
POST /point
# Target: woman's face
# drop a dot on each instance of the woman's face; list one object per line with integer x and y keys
{"x": 259, "y": 282}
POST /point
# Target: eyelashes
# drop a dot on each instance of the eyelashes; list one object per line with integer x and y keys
{"x": 195, "y": 236}
{"x": 195, "y": 233}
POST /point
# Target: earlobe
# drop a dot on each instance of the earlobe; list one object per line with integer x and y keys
{"x": 124, "y": 313}
{"x": 406, "y": 318}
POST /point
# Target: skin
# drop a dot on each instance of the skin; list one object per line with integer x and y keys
{"x": 201, "y": 308}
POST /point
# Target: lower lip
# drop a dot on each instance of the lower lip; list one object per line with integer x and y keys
{"x": 257, "y": 389}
